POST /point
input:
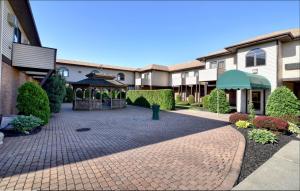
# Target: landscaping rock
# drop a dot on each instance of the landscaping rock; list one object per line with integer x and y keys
{"x": 5, "y": 122}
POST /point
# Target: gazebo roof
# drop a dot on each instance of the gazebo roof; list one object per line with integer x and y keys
{"x": 99, "y": 80}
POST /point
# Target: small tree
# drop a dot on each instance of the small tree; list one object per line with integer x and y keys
{"x": 56, "y": 90}
{"x": 251, "y": 112}
{"x": 191, "y": 99}
{"x": 220, "y": 105}
{"x": 33, "y": 100}
{"x": 282, "y": 101}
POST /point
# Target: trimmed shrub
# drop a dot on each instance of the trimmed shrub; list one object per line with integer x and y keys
{"x": 242, "y": 124}
{"x": 262, "y": 136}
{"x": 33, "y": 100}
{"x": 178, "y": 98}
{"x": 24, "y": 124}
{"x": 271, "y": 123}
{"x": 191, "y": 99}
{"x": 205, "y": 102}
{"x": 291, "y": 118}
{"x": 282, "y": 101}
{"x": 146, "y": 98}
{"x": 69, "y": 95}
{"x": 213, "y": 102}
{"x": 233, "y": 118}
{"x": 55, "y": 87}
{"x": 251, "y": 112}
{"x": 183, "y": 103}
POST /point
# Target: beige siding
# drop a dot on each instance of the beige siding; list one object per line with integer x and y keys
{"x": 77, "y": 73}
{"x": 229, "y": 62}
{"x": 8, "y": 31}
{"x": 159, "y": 78}
{"x": 290, "y": 55}
{"x": 269, "y": 70}
{"x": 33, "y": 57}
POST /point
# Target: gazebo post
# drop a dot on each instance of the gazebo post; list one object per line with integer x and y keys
{"x": 111, "y": 91}
{"x": 89, "y": 88}
{"x": 101, "y": 106}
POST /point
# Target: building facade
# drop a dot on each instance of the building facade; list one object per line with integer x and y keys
{"x": 274, "y": 56}
{"x": 22, "y": 56}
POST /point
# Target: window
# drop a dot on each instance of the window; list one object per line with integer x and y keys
{"x": 17, "y": 35}
{"x": 95, "y": 71}
{"x": 213, "y": 64}
{"x": 256, "y": 57}
{"x": 217, "y": 64}
{"x": 221, "y": 64}
{"x": 63, "y": 72}
{"x": 121, "y": 77}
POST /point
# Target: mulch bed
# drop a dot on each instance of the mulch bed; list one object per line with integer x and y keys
{"x": 14, "y": 133}
{"x": 256, "y": 154}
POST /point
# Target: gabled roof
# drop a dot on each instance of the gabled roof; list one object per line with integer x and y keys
{"x": 154, "y": 67}
{"x": 94, "y": 65}
{"x": 185, "y": 66}
{"x": 283, "y": 35}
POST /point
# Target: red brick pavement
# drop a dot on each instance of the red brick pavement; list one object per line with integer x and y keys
{"x": 124, "y": 149}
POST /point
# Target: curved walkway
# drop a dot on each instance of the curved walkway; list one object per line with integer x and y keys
{"x": 124, "y": 149}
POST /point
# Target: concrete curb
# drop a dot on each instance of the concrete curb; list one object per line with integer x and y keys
{"x": 236, "y": 164}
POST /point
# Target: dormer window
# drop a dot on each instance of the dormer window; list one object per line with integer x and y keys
{"x": 121, "y": 77}
{"x": 64, "y": 72}
{"x": 256, "y": 57}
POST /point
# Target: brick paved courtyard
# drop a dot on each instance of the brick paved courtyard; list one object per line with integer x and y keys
{"x": 124, "y": 149}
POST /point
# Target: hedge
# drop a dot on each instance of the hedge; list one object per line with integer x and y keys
{"x": 213, "y": 102}
{"x": 282, "y": 101}
{"x": 146, "y": 98}
{"x": 191, "y": 99}
{"x": 33, "y": 100}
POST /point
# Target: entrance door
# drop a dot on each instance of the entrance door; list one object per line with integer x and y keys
{"x": 256, "y": 100}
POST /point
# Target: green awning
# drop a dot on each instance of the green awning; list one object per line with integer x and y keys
{"x": 236, "y": 79}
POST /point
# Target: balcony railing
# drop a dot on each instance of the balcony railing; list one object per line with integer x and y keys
{"x": 176, "y": 81}
{"x": 208, "y": 75}
{"x": 190, "y": 80}
{"x": 138, "y": 81}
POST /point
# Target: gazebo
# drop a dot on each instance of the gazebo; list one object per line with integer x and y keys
{"x": 98, "y": 92}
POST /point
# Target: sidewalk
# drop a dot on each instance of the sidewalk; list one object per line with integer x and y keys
{"x": 281, "y": 172}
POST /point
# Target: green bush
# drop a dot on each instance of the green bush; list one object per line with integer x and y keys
{"x": 205, "y": 102}
{"x": 282, "y": 101}
{"x": 33, "y": 100}
{"x": 55, "y": 87}
{"x": 293, "y": 128}
{"x": 213, "y": 102}
{"x": 146, "y": 98}
{"x": 242, "y": 124}
{"x": 196, "y": 104}
{"x": 178, "y": 98}
{"x": 183, "y": 103}
{"x": 262, "y": 136}
{"x": 69, "y": 95}
{"x": 191, "y": 99}
{"x": 24, "y": 124}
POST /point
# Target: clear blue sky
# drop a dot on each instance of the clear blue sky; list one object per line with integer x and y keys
{"x": 132, "y": 33}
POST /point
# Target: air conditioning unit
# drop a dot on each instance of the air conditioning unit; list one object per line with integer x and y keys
{"x": 12, "y": 20}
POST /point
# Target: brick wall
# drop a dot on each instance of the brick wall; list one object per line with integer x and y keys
{"x": 11, "y": 80}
